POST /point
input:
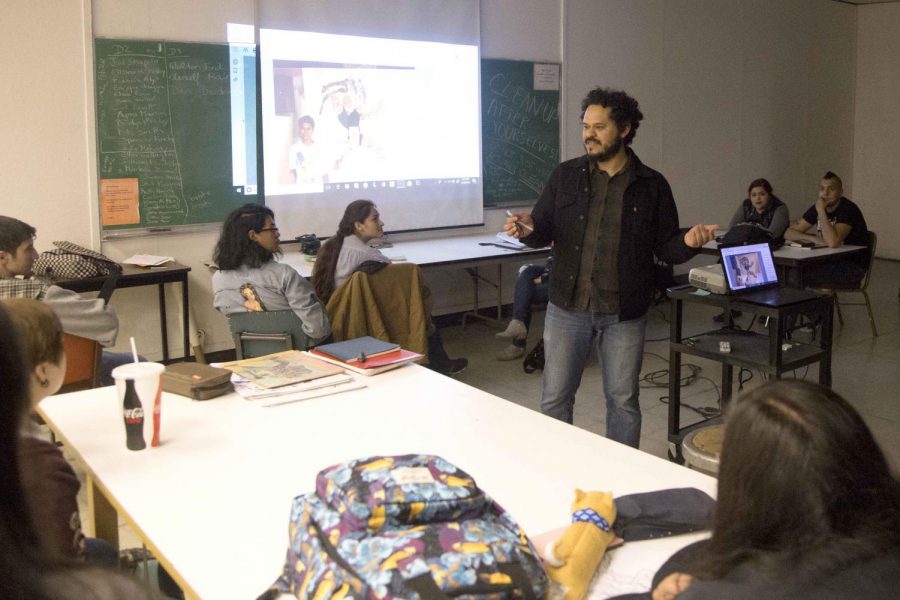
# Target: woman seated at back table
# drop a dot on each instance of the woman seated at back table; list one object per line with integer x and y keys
{"x": 763, "y": 208}
{"x": 807, "y": 505}
{"x": 348, "y": 251}
{"x": 249, "y": 278}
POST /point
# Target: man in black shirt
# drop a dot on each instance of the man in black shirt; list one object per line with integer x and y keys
{"x": 837, "y": 221}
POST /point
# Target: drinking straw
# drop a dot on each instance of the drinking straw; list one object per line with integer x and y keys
{"x": 134, "y": 350}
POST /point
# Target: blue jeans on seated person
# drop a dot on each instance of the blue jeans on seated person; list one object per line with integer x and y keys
{"x": 111, "y": 360}
{"x": 568, "y": 335}
{"x": 528, "y": 292}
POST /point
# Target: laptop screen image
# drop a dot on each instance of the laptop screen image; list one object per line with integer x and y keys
{"x": 748, "y": 267}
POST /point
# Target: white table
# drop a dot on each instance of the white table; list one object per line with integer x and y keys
{"x": 212, "y": 501}
{"x": 459, "y": 252}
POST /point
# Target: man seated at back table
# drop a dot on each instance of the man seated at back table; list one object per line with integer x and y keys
{"x": 837, "y": 220}
{"x": 85, "y": 317}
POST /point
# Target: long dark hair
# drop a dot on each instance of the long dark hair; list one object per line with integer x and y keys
{"x": 20, "y": 553}
{"x": 235, "y": 248}
{"x": 327, "y": 257}
{"x": 804, "y": 489}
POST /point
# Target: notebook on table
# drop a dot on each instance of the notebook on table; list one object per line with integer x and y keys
{"x": 751, "y": 276}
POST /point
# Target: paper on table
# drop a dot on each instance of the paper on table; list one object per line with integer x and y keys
{"x": 317, "y": 393}
{"x": 251, "y": 391}
{"x": 509, "y": 240}
{"x": 147, "y": 260}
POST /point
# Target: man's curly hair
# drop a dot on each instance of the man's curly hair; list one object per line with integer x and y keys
{"x": 623, "y": 109}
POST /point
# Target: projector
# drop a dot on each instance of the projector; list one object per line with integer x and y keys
{"x": 710, "y": 278}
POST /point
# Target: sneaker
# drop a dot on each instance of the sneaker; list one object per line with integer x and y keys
{"x": 511, "y": 352}
{"x": 456, "y": 366}
{"x": 516, "y": 330}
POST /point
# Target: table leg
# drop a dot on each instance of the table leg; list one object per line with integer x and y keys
{"x": 476, "y": 280}
{"x": 185, "y": 317}
{"x": 827, "y": 319}
{"x": 163, "y": 326}
{"x": 104, "y": 517}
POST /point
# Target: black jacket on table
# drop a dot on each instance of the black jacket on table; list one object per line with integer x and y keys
{"x": 649, "y": 226}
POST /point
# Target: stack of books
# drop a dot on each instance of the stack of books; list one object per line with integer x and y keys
{"x": 365, "y": 355}
{"x": 286, "y": 377}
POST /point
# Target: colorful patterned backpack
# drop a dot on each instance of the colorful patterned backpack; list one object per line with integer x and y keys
{"x": 408, "y": 526}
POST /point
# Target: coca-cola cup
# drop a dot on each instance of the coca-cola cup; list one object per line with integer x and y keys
{"x": 139, "y": 386}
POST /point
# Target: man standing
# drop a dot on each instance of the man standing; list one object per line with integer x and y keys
{"x": 85, "y": 317}
{"x": 607, "y": 215}
{"x": 837, "y": 220}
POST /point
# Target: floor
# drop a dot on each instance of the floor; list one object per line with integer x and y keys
{"x": 864, "y": 371}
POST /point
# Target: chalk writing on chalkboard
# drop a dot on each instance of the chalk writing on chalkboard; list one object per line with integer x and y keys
{"x": 163, "y": 116}
{"x": 520, "y": 131}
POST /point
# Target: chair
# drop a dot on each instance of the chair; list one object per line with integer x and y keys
{"x": 82, "y": 363}
{"x": 261, "y": 333}
{"x": 857, "y": 288}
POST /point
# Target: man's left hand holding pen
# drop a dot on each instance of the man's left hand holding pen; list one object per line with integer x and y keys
{"x": 518, "y": 225}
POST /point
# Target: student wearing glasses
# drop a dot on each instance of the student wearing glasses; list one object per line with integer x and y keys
{"x": 249, "y": 278}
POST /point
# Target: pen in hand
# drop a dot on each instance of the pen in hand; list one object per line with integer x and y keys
{"x": 519, "y": 225}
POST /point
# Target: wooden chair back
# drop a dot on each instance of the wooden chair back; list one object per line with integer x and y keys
{"x": 82, "y": 363}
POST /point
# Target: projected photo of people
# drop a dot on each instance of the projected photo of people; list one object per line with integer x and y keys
{"x": 344, "y": 124}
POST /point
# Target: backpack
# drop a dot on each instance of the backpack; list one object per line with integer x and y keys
{"x": 411, "y": 526}
{"x": 751, "y": 233}
{"x": 71, "y": 261}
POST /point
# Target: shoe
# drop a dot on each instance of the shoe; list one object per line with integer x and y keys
{"x": 456, "y": 366}
{"x": 511, "y": 352}
{"x": 516, "y": 330}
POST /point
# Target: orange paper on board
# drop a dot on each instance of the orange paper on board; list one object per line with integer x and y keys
{"x": 119, "y": 199}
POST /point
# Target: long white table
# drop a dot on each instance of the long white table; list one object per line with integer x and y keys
{"x": 469, "y": 252}
{"x": 212, "y": 501}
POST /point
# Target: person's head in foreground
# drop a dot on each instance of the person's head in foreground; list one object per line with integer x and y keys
{"x": 41, "y": 335}
{"x": 804, "y": 489}
{"x": 249, "y": 237}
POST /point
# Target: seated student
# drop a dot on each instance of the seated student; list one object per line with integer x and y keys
{"x": 27, "y": 570}
{"x": 837, "y": 221}
{"x": 532, "y": 285}
{"x": 807, "y": 505}
{"x": 51, "y": 486}
{"x": 249, "y": 279}
{"x": 348, "y": 251}
{"x": 86, "y": 317}
{"x": 763, "y": 208}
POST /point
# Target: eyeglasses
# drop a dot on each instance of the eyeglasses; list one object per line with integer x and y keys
{"x": 268, "y": 229}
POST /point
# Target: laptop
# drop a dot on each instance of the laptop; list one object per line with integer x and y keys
{"x": 750, "y": 276}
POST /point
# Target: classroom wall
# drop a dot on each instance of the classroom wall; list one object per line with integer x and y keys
{"x": 876, "y": 179}
{"x": 732, "y": 90}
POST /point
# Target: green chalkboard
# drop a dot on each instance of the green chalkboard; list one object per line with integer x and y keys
{"x": 164, "y": 117}
{"x": 520, "y": 128}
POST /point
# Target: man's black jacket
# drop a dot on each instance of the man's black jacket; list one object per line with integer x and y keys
{"x": 649, "y": 226}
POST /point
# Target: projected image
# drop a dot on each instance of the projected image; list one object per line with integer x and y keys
{"x": 347, "y": 124}
{"x": 395, "y": 121}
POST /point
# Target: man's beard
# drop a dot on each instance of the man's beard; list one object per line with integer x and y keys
{"x": 607, "y": 154}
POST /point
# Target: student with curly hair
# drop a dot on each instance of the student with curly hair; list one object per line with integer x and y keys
{"x": 250, "y": 279}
